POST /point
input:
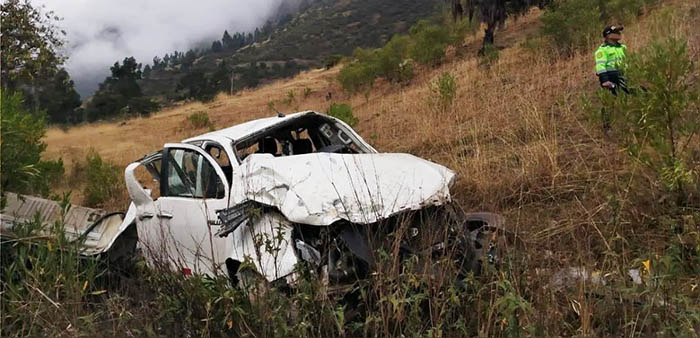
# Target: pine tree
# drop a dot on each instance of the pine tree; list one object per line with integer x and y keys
{"x": 216, "y": 46}
{"x": 121, "y": 93}
{"x": 60, "y": 99}
{"x": 157, "y": 63}
{"x": 227, "y": 40}
{"x": 146, "y": 71}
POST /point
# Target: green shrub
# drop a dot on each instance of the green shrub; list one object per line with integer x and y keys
{"x": 429, "y": 42}
{"x": 103, "y": 180}
{"x": 425, "y": 44}
{"x": 622, "y": 11}
{"x": 343, "y": 112}
{"x": 444, "y": 90}
{"x": 361, "y": 73}
{"x": 572, "y": 24}
{"x": 388, "y": 62}
{"x": 199, "y": 120}
{"x": 577, "y": 24}
{"x": 658, "y": 125}
{"x": 332, "y": 60}
{"x": 307, "y": 92}
{"x": 22, "y": 169}
{"x": 391, "y": 60}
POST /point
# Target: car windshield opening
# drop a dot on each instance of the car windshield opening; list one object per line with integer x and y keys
{"x": 311, "y": 134}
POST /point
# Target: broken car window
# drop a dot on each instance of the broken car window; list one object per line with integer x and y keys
{"x": 303, "y": 136}
{"x": 219, "y": 155}
{"x": 148, "y": 181}
{"x": 190, "y": 174}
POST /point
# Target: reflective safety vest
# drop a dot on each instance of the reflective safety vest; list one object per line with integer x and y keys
{"x": 609, "y": 57}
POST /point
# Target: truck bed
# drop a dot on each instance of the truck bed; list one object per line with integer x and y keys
{"x": 97, "y": 226}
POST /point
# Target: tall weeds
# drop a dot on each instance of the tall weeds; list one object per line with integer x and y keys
{"x": 523, "y": 145}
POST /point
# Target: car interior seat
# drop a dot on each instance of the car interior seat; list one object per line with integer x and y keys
{"x": 267, "y": 145}
{"x": 302, "y": 146}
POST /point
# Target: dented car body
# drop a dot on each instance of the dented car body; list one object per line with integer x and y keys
{"x": 273, "y": 193}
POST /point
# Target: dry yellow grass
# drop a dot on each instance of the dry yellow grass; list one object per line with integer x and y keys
{"x": 514, "y": 134}
{"x": 518, "y": 139}
{"x": 125, "y": 141}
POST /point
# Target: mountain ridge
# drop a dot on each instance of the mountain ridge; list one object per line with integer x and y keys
{"x": 287, "y": 45}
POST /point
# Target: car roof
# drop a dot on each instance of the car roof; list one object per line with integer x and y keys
{"x": 249, "y": 128}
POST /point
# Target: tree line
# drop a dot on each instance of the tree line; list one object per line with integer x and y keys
{"x": 33, "y": 67}
{"x": 228, "y": 43}
{"x": 33, "y": 71}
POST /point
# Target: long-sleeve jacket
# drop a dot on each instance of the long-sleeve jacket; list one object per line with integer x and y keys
{"x": 608, "y": 61}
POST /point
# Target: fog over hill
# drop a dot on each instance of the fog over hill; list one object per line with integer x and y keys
{"x": 101, "y": 32}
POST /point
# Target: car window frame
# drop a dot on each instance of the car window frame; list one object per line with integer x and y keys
{"x": 165, "y": 158}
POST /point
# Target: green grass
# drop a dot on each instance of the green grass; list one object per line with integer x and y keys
{"x": 199, "y": 120}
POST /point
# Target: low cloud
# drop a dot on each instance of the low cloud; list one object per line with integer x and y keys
{"x": 101, "y": 32}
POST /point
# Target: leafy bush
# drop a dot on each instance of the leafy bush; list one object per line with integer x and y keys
{"x": 572, "y": 24}
{"x": 307, "y": 92}
{"x": 429, "y": 42}
{"x": 103, "y": 180}
{"x": 388, "y": 62}
{"x": 343, "y": 112}
{"x": 199, "y": 120}
{"x": 22, "y": 169}
{"x": 390, "y": 58}
{"x": 444, "y": 90}
{"x": 658, "y": 124}
{"x": 425, "y": 44}
{"x": 622, "y": 11}
{"x": 575, "y": 24}
{"x": 360, "y": 74}
{"x": 332, "y": 60}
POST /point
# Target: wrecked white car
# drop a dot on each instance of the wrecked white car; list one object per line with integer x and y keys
{"x": 304, "y": 188}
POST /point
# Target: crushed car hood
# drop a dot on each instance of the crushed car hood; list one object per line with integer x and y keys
{"x": 322, "y": 188}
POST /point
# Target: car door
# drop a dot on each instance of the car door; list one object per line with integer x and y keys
{"x": 178, "y": 228}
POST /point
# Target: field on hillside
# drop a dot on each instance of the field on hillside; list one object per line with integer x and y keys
{"x": 512, "y": 135}
{"x": 523, "y": 146}
{"x": 386, "y": 108}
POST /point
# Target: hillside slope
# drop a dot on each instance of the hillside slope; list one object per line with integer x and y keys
{"x": 512, "y": 106}
{"x": 522, "y": 145}
{"x": 510, "y": 134}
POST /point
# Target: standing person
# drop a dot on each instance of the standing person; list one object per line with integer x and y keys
{"x": 609, "y": 58}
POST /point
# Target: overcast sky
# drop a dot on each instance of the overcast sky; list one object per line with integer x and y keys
{"x": 100, "y": 32}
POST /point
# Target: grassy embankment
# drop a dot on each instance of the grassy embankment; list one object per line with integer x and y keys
{"x": 523, "y": 146}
